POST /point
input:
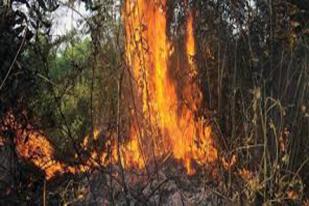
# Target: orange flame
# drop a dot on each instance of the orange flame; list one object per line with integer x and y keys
{"x": 173, "y": 126}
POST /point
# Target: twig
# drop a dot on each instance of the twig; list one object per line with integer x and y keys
{"x": 118, "y": 138}
{"x": 44, "y": 193}
{"x": 14, "y": 60}
{"x": 155, "y": 189}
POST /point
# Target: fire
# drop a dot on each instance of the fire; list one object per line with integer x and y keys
{"x": 190, "y": 43}
{"x": 34, "y": 147}
{"x": 164, "y": 121}
{"x": 172, "y": 125}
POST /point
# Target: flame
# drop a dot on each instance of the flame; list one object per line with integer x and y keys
{"x": 190, "y": 43}
{"x": 36, "y": 148}
{"x": 164, "y": 120}
{"x": 173, "y": 125}
{"x": 33, "y": 146}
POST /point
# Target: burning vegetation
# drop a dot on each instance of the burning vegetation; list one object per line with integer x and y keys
{"x": 182, "y": 108}
{"x": 169, "y": 122}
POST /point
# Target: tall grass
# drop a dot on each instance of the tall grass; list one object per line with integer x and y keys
{"x": 256, "y": 84}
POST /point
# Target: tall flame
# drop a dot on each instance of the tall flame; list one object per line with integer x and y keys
{"x": 173, "y": 125}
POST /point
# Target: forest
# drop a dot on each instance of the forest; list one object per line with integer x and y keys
{"x": 154, "y": 102}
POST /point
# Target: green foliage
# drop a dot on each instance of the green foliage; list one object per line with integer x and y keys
{"x": 63, "y": 62}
